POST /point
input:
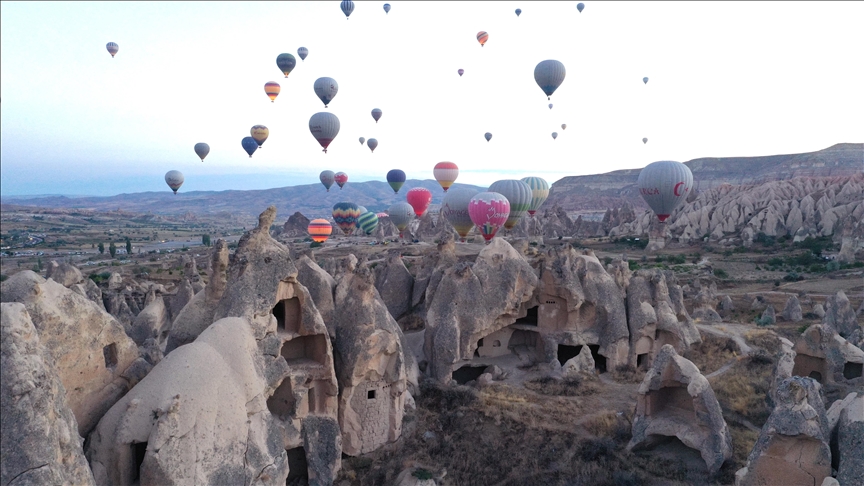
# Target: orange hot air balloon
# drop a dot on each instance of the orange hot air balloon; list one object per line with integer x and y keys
{"x": 482, "y": 37}
{"x": 319, "y": 230}
{"x": 272, "y": 89}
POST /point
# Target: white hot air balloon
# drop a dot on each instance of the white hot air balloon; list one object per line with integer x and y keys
{"x": 664, "y": 185}
{"x": 549, "y": 75}
{"x": 174, "y": 179}
{"x": 326, "y": 89}
{"x": 401, "y": 214}
{"x": 454, "y": 208}
{"x": 324, "y": 127}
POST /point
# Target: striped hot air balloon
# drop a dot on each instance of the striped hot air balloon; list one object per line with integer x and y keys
{"x": 327, "y": 178}
{"x": 347, "y": 7}
{"x": 174, "y": 179}
{"x": 446, "y": 174}
{"x": 368, "y": 222}
{"x": 341, "y": 178}
{"x": 345, "y": 215}
{"x": 518, "y": 194}
{"x": 272, "y": 89}
{"x": 489, "y": 211}
{"x": 664, "y": 185}
{"x": 482, "y": 37}
{"x": 319, "y": 230}
{"x": 455, "y": 209}
{"x": 419, "y": 198}
{"x": 324, "y": 127}
{"x": 401, "y": 214}
{"x": 112, "y": 48}
{"x": 260, "y": 134}
{"x": 539, "y": 193}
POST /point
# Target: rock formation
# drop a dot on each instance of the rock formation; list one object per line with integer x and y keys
{"x": 769, "y": 316}
{"x": 726, "y": 307}
{"x": 850, "y": 440}
{"x": 396, "y": 285}
{"x": 704, "y": 302}
{"x": 839, "y": 314}
{"x": 321, "y": 287}
{"x": 792, "y": 310}
{"x": 297, "y": 226}
{"x": 40, "y": 442}
{"x": 825, "y": 356}
{"x": 65, "y": 274}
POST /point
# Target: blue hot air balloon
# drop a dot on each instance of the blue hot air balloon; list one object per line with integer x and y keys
{"x": 347, "y": 8}
{"x": 386, "y": 8}
{"x": 396, "y": 178}
{"x": 518, "y": 11}
{"x": 580, "y": 6}
{"x": 250, "y": 145}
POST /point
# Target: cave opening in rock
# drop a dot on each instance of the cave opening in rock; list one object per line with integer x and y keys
{"x": 110, "y": 354}
{"x": 468, "y": 373}
{"x": 599, "y": 359}
{"x": 281, "y": 403}
{"x": 671, "y": 400}
{"x": 298, "y": 468}
{"x": 139, "y": 450}
{"x": 287, "y": 313}
{"x": 811, "y": 366}
{"x": 642, "y": 361}
{"x": 530, "y": 318}
{"x": 852, "y": 370}
{"x": 305, "y": 350}
{"x": 566, "y": 353}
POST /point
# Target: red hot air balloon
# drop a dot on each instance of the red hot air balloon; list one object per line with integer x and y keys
{"x": 319, "y": 230}
{"x": 419, "y": 198}
{"x": 341, "y": 178}
{"x": 489, "y": 211}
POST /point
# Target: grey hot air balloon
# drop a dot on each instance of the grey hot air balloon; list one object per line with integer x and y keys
{"x": 372, "y": 144}
{"x": 554, "y": 135}
{"x": 488, "y": 136}
{"x": 645, "y": 140}
{"x": 387, "y": 8}
{"x": 518, "y": 193}
{"x": 327, "y": 178}
{"x": 563, "y": 126}
{"x": 347, "y": 7}
{"x": 580, "y": 7}
{"x": 174, "y": 179}
{"x": 539, "y": 192}
{"x": 454, "y": 207}
{"x": 645, "y": 80}
{"x": 324, "y": 127}
{"x": 302, "y": 52}
{"x": 362, "y": 140}
{"x": 550, "y": 106}
{"x": 549, "y": 75}
{"x": 401, "y": 214}
{"x": 664, "y": 185}
{"x": 202, "y": 149}
{"x": 326, "y": 89}
{"x": 112, "y": 48}
{"x": 376, "y": 114}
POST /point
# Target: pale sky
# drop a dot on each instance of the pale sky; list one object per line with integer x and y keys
{"x": 725, "y": 79}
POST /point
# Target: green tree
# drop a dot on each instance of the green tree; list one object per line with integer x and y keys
{"x": 101, "y": 248}
{"x": 128, "y": 246}
{"x": 205, "y": 240}
{"x": 112, "y": 249}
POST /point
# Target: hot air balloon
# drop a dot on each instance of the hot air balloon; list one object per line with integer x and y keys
{"x": 272, "y": 89}
{"x": 341, "y": 178}
{"x": 302, "y": 52}
{"x": 580, "y": 6}
{"x": 454, "y": 207}
{"x": 664, "y": 185}
{"x": 202, "y": 149}
{"x": 488, "y": 136}
{"x": 286, "y": 63}
{"x": 396, "y": 178}
{"x": 563, "y": 126}
{"x": 324, "y": 127}
{"x": 518, "y": 194}
{"x": 645, "y": 140}
{"x": 387, "y": 8}
{"x": 345, "y": 215}
{"x": 382, "y": 215}
{"x": 347, "y": 8}
{"x": 518, "y": 11}
{"x": 326, "y": 89}
{"x": 446, "y": 174}
{"x": 554, "y": 135}
{"x": 376, "y": 114}
{"x": 489, "y": 211}
{"x": 549, "y": 75}
{"x": 401, "y": 214}
{"x": 362, "y": 209}
{"x": 419, "y": 198}
{"x": 482, "y": 37}
{"x": 362, "y": 140}
{"x": 461, "y": 72}
{"x": 372, "y": 144}
{"x": 260, "y": 134}
{"x": 174, "y": 179}
{"x": 550, "y": 106}
{"x": 367, "y": 222}
{"x": 112, "y": 49}
{"x": 250, "y": 145}
{"x": 645, "y": 80}
{"x": 539, "y": 193}
{"x": 319, "y": 230}
{"x": 327, "y": 178}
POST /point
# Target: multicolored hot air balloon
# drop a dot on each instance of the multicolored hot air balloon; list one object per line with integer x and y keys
{"x": 454, "y": 207}
{"x": 250, "y": 145}
{"x": 549, "y": 75}
{"x": 419, "y": 198}
{"x": 327, "y": 178}
{"x": 488, "y": 136}
{"x": 260, "y": 134}
{"x": 202, "y": 149}
{"x": 302, "y": 52}
{"x": 372, "y": 143}
{"x": 112, "y": 49}
{"x": 286, "y": 62}
{"x": 645, "y": 140}
{"x": 539, "y": 193}
{"x": 362, "y": 140}
{"x": 554, "y": 135}
{"x": 272, "y": 89}
{"x": 461, "y": 72}
{"x": 345, "y": 215}
{"x": 518, "y": 194}
{"x": 324, "y": 127}
{"x": 482, "y": 37}
{"x": 445, "y": 173}
{"x": 396, "y": 178}
{"x": 341, "y": 179}
{"x": 401, "y": 214}
{"x": 664, "y": 185}
{"x": 376, "y": 114}
{"x": 319, "y": 230}
{"x": 174, "y": 179}
{"x": 387, "y": 8}
{"x": 489, "y": 211}
{"x": 367, "y": 222}
{"x": 645, "y": 80}
{"x": 326, "y": 89}
{"x": 563, "y": 126}
{"x": 347, "y": 7}
{"x": 518, "y": 11}
{"x": 580, "y": 6}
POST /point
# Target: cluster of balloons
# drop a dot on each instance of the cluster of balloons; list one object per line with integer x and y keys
{"x": 328, "y": 177}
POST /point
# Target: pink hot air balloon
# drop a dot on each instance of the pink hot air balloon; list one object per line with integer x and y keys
{"x": 489, "y": 211}
{"x": 419, "y": 198}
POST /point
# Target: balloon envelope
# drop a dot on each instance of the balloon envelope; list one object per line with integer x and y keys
{"x": 372, "y": 144}
{"x": 327, "y": 179}
{"x": 419, "y": 198}
{"x": 554, "y": 135}
{"x": 112, "y": 48}
{"x": 539, "y": 192}
{"x": 362, "y": 209}
{"x": 645, "y": 80}
{"x": 286, "y": 62}
{"x": 341, "y": 179}
{"x": 550, "y": 106}
{"x": 489, "y": 211}
{"x": 482, "y": 37}
{"x": 326, "y": 89}
{"x": 580, "y": 6}
{"x": 518, "y": 11}
{"x": 250, "y": 145}
{"x": 174, "y": 179}
{"x": 347, "y": 7}
{"x": 401, "y": 214}
{"x": 461, "y": 72}
{"x": 446, "y": 174}
{"x": 488, "y": 136}
{"x": 549, "y": 75}
{"x": 319, "y": 230}
{"x": 202, "y": 149}
{"x": 454, "y": 207}
{"x": 260, "y": 133}
{"x": 518, "y": 194}
{"x": 376, "y": 114}
{"x": 362, "y": 140}
{"x": 563, "y": 126}
{"x": 272, "y": 89}
{"x": 396, "y": 178}
{"x": 645, "y": 140}
{"x": 664, "y": 185}
{"x": 302, "y": 52}
{"x": 324, "y": 127}
{"x": 345, "y": 215}
{"x": 367, "y": 222}
{"x": 386, "y": 8}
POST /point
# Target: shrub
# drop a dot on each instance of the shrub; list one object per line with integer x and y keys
{"x": 677, "y": 259}
{"x": 3, "y": 277}
{"x": 633, "y": 264}
{"x": 793, "y": 277}
{"x": 315, "y": 244}
{"x": 422, "y": 474}
{"x": 762, "y": 321}
{"x": 832, "y": 266}
{"x": 720, "y": 273}
{"x": 607, "y": 260}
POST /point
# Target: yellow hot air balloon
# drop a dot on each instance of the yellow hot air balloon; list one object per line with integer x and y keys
{"x": 272, "y": 89}
{"x": 260, "y": 134}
